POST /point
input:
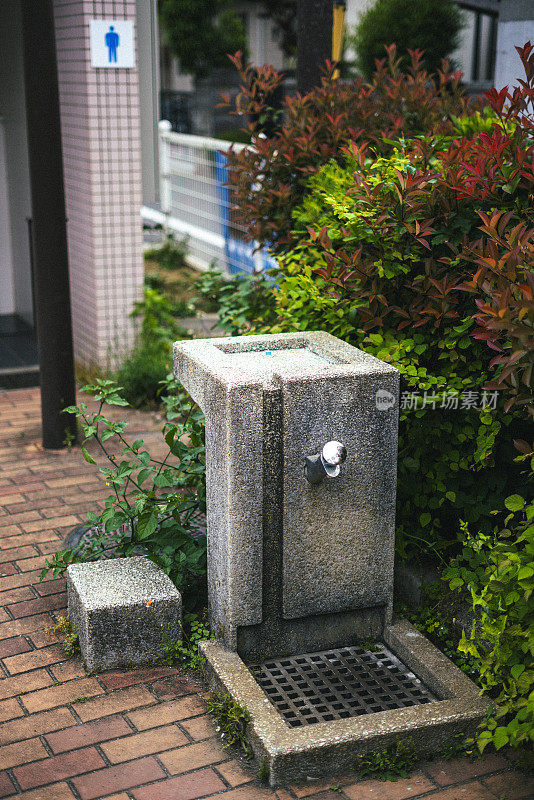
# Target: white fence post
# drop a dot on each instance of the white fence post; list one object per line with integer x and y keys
{"x": 165, "y": 193}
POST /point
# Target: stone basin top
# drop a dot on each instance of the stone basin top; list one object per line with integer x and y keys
{"x": 268, "y": 359}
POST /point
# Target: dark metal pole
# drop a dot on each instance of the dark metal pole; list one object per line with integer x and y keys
{"x": 51, "y": 269}
{"x": 314, "y": 41}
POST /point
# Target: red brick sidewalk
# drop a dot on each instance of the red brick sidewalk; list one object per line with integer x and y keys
{"x": 142, "y": 734}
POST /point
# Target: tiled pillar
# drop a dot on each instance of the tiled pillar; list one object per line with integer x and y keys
{"x": 102, "y": 164}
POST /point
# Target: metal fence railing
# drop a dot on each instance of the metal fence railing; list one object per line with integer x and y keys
{"x": 195, "y": 204}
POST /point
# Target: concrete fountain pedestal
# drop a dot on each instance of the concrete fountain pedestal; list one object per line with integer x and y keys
{"x": 301, "y": 452}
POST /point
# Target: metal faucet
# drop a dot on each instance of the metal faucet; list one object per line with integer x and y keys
{"x": 327, "y": 463}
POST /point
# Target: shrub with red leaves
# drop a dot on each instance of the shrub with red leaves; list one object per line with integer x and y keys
{"x": 269, "y": 179}
{"x": 495, "y": 173}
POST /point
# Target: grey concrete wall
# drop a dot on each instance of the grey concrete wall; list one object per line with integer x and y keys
{"x": 516, "y": 26}
{"x": 12, "y": 111}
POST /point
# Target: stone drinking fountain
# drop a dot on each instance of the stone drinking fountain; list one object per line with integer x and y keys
{"x": 301, "y": 452}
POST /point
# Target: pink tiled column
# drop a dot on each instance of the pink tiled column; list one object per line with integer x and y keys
{"x": 102, "y": 165}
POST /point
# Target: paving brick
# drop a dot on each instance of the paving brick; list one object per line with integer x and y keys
{"x": 50, "y": 587}
{"x": 26, "y": 564}
{"x": 11, "y": 530}
{"x": 170, "y": 688}
{"x": 6, "y": 786}
{"x": 58, "y": 791}
{"x": 58, "y": 768}
{"x": 35, "y": 725}
{"x": 24, "y": 625}
{"x": 9, "y": 709}
{"x": 193, "y": 756}
{"x": 199, "y": 728}
{"x": 119, "y": 680}
{"x": 311, "y": 788}
{"x": 6, "y": 569}
{"x": 28, "y": 538}
{"x": 62, "y": 695}
{"x": 249, "y": 793}
{"x": 72, "y": 480}
{"x": 40, "y": 604}
{"x": 21, "y": 753}
{"x": 234, "y": 773}
{"x": 114, "y": 779}
{"x": 461, "y": 769}
{"x": 512, "y": 784}
{"x": 166, "y": 712}
{"x": 333, "y": 794}
{"x": 20, "y": 684}
{"x": 144, "y": 744}
{"x": 469, "y": 791}
{"x": 50, "y": 546}
{"x": 46, "y": 524}
{"x": 16, "y": 579}
{"x": 14, "y": 519}
{"x": 13, "y": 646}
{"x": 186, "y": 787}
{"x": 3, "y": 615}
{"x": 404, "y": 788}
{"x": 121, "y": 700}
{"x": 68, "y": 670}
{"x": 16, "y": 595}
{"x": 36, "y": 658}
{"x": 39, "y": 505}
{"x": 12, "y": 498}
{"x": 28, "y": 488}
{"x": 16, "y": 553}
{"x": 45, "y": 637}
{"x": 121, "y": 796}
{"x": 87, "y": 733}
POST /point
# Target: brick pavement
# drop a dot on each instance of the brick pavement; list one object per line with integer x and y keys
{"x": 139, "y": 734}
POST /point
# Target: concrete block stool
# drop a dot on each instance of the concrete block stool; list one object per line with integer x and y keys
{"x": 120, "y": 609}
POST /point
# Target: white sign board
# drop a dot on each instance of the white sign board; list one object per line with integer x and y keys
{"x": 112, "y": 43}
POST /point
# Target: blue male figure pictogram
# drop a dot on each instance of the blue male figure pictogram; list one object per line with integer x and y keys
{"x": 112, "y": 42}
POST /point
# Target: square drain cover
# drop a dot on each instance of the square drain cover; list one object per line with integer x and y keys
{"x": 340, "y": 683}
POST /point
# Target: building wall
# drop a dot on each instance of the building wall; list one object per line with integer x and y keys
{"x": 7, "y": 288}
{"x": 16, "y": 270}
{"x": 516, "y": 26}
{"x": 102, "y": 169}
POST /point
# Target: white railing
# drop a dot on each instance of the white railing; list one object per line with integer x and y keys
{"x": 195, "y": 204}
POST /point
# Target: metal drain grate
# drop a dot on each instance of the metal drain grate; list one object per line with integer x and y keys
{"x": 340, "y": 683}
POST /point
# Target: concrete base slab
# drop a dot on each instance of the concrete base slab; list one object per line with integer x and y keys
{"x": 318, "y": 750}
{"x": 120, "y": 610}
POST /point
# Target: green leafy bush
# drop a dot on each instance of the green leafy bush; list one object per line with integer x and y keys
{"x": 423, "y": 25}
{"x": 185, "y": 651}
{"x": 374, "y": 232}
{"x": 434, "y": 616}
{"x": 233, "y": 719}
{"x": 240, "y": 301}
{"x": 497, "y": 570}
{"x": 201, "y": 33}
{"x": 396, "y": 761}
{"x": 155, "y": 504}
{"x": 171, "y": 255}
{"x": 142, "y": 372}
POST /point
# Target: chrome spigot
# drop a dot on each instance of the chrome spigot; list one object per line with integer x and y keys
{"x": 327, "y": 463}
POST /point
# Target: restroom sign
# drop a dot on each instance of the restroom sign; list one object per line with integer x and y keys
{"x": 112, "y": 43}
